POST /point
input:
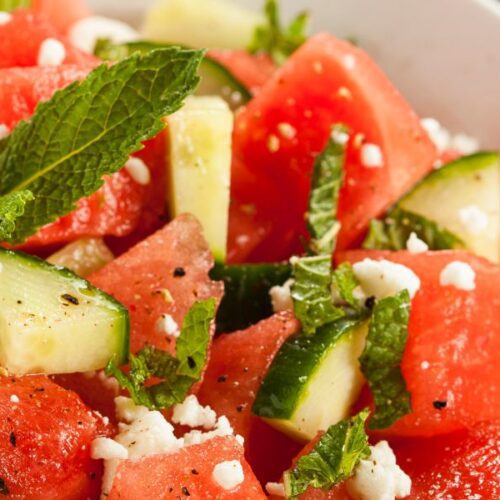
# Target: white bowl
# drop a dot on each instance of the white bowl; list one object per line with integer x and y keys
{"x": 444, "y": 55}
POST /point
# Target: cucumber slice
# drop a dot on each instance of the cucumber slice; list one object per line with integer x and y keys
{"x": 52, "y": 321}
{"x": 314, "y": 380}
{"x": 84, "y": 256}
{"x": 200, "y": 166}
{"x": 201, "y": 23}
{"x": 471, "y": 181}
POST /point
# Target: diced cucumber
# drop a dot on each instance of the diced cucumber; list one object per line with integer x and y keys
{"x": 314, "y": 380}
{"x": 470, "y": 181}
{"x": 201, "y": 23}
{"x": 246, "y": 298}
{"x": 84, "y": 256}
{"x": 200, "y": 166}
{"x": 52, "y": 321}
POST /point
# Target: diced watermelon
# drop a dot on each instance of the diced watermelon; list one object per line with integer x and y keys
{"x": 164, "y": 274}
{"x": 288, "y": 123}
{"x": 45, "y": 436}
{"x": 187, "y": 473}
{"x": 61, "y": 13}
{"x": 237, "y": 366}
{"x": 21, "y": 37}
{"x": 453, "y": 351}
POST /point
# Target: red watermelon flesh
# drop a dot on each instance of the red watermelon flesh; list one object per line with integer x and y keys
{"x": 61, "y": 13}
{"x": 22, "y": 36}
{"x": 45, "y": 436}
{"x": 187, "y": 473}
{"x": 164, "y": 274}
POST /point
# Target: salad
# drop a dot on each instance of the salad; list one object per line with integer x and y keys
{"x": 236, "y": 264}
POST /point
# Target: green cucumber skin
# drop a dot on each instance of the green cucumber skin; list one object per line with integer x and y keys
{"x": 296, "y": 362}
{"x": 246, "y": 299}
{"x": 37, "y": 264}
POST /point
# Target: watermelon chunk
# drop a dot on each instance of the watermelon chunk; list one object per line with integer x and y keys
{"x": 164, "y": 274}
{"x": 45, "y": 436}
{"x": 187, "y": 473}
{"x": 61, "y": 13}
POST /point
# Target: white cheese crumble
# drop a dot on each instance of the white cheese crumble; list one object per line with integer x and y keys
{"x": 474, "y": 220}
{"x": 340, "y": 137}
{"x": 14, "y": 398}
{"x": 281, "y": 297}
{"x": 371, "y": 156}
{"x": 108, "y": 449}
{"x": 276, "y": 489}
{"x": 51, "y": 53}
{"x": 4, "y": 131}
{"x": 192, "y": 414}
{"x": 109, "y": 382}
{"x": 415, "y": 245}
{"x": 379, "y": 477}
{"x": 5, "y": 17}
{"x": 138, "y": 170}
{"x": 458, "y": 274}
{"x": 383, "y": 278}
{"x": 287, "y": 130}
{"x": 85, "y": 33}
{"x": 443, "y": 139}
{"x": 168, "y": 325}
{"x": 228, "y": 474}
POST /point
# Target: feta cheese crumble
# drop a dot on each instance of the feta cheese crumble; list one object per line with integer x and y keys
{"x": 281, "y": 297}
{"x": 458, "y": 274}
{"x": 415, "y": 245}
{"x": 287, "y": 130}
{"x": 340, "y": 137}
{"x": 4, "y": 131}
{"x": 276, "y": 489}
{"x": 168, "y": 325}
{"x": 474, "y": 220}
{"x": 14, "y": 398}
{"x": 383, "y": 278}
{"x": 138, "y": 170}
{"x": 51, "y": 53}
{"x": 5, "y": 17}
{"x": 192, "y": 414}
{"x": 228, "y": 474}
{"x": 108, "y": 449}
{"x": 371, "y": 156}
{"x": 379, "y": 477}
{"x": 443, "y": 139}
{"x": 85, "y": 33}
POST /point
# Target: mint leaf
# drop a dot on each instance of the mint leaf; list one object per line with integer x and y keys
{"x": 345, "y": 284}
{"x": 109, "y": 51}
{"x": 312, "y": 294}
{"x": 10, "y": 5}
{"x": 381, "y": 359}
{"x": 12, "y": 207}
{"x": 178, "y": 373}
{"x": 327, "y": 178}
{"x": 89, "y": 129}
{"x": 333, "y": 458}
{"x": 278, "y": 41}
{"x": 393, "y": 232}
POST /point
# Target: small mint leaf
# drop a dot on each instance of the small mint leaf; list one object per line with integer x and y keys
{"x": 12, "y": 207}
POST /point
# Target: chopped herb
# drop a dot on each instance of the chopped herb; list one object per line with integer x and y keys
{"x": 222, "y": 378}
{"x": 345, "y": 283}
{"x": 10, "y": 5}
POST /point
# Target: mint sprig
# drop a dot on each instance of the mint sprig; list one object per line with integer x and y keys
{"x": 86, "y": 131}
{"x": 178, "y": 373}
{"x": 381, "y": 359}
{"x": 333, "y": 458}
{"x": 344, "y": 282}
{"x": 12, "y": 207}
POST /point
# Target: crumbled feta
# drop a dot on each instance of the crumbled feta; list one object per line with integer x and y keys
{"x": 4, "y": 131}
{"x": 371, "y": 156}
{"x": 349, "y": 61}
{"x": 85, "y": 33}
{"x": 465, "y": 144}
{"x": 222, "y": 428}
{"x": 276, "y": 489}
{"x": 168, "y": 325}
{"x": 425, "y": 365}
{"x": 109, "y": 382}
{"x": 138, "y": 170}
{"x": 287, "y": 130}
{"x": 379, "y": 477}
{"x": 340, "y": 137}
{"x": 458, "y": 274}
{"x": 443, "y": 139}
{"x": 473, "y": 219}
{"x": 107, "y": 449}
{"x": 14, "y": 398}
{"x": 383, "y": 278}
{"x": 416, "y": 245}
{"x": 228, "y": 474}
{"x": 5, "y": 17}
{"x": 51, "y": 53}
{"x": 127, "y": 410}
{"x": 273, "y": 143}
{"x": 344, "y": 93}
{"x": 281, "y": 297}
{"x": 192, "y": 414}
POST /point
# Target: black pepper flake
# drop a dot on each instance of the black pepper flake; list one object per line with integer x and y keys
{"x": 19, "y": 302}
{"x": 245, "y": 370}
{"x": 222, "y": 378}
{"x": 194, "y": 472}
{"x": 12, "y": 439}
{"x": 191, "y": 362}
{"x": 370, "y": 302}
{"x": 239, "y": 408}
{"x": 185, "y": 491}
{"x": 70, "y": 299}
{"x": 179, "y": 272}
{"x": 92, "y": 476}
{"x": 439, "y": 405}
{"x": 4, "y": 490}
